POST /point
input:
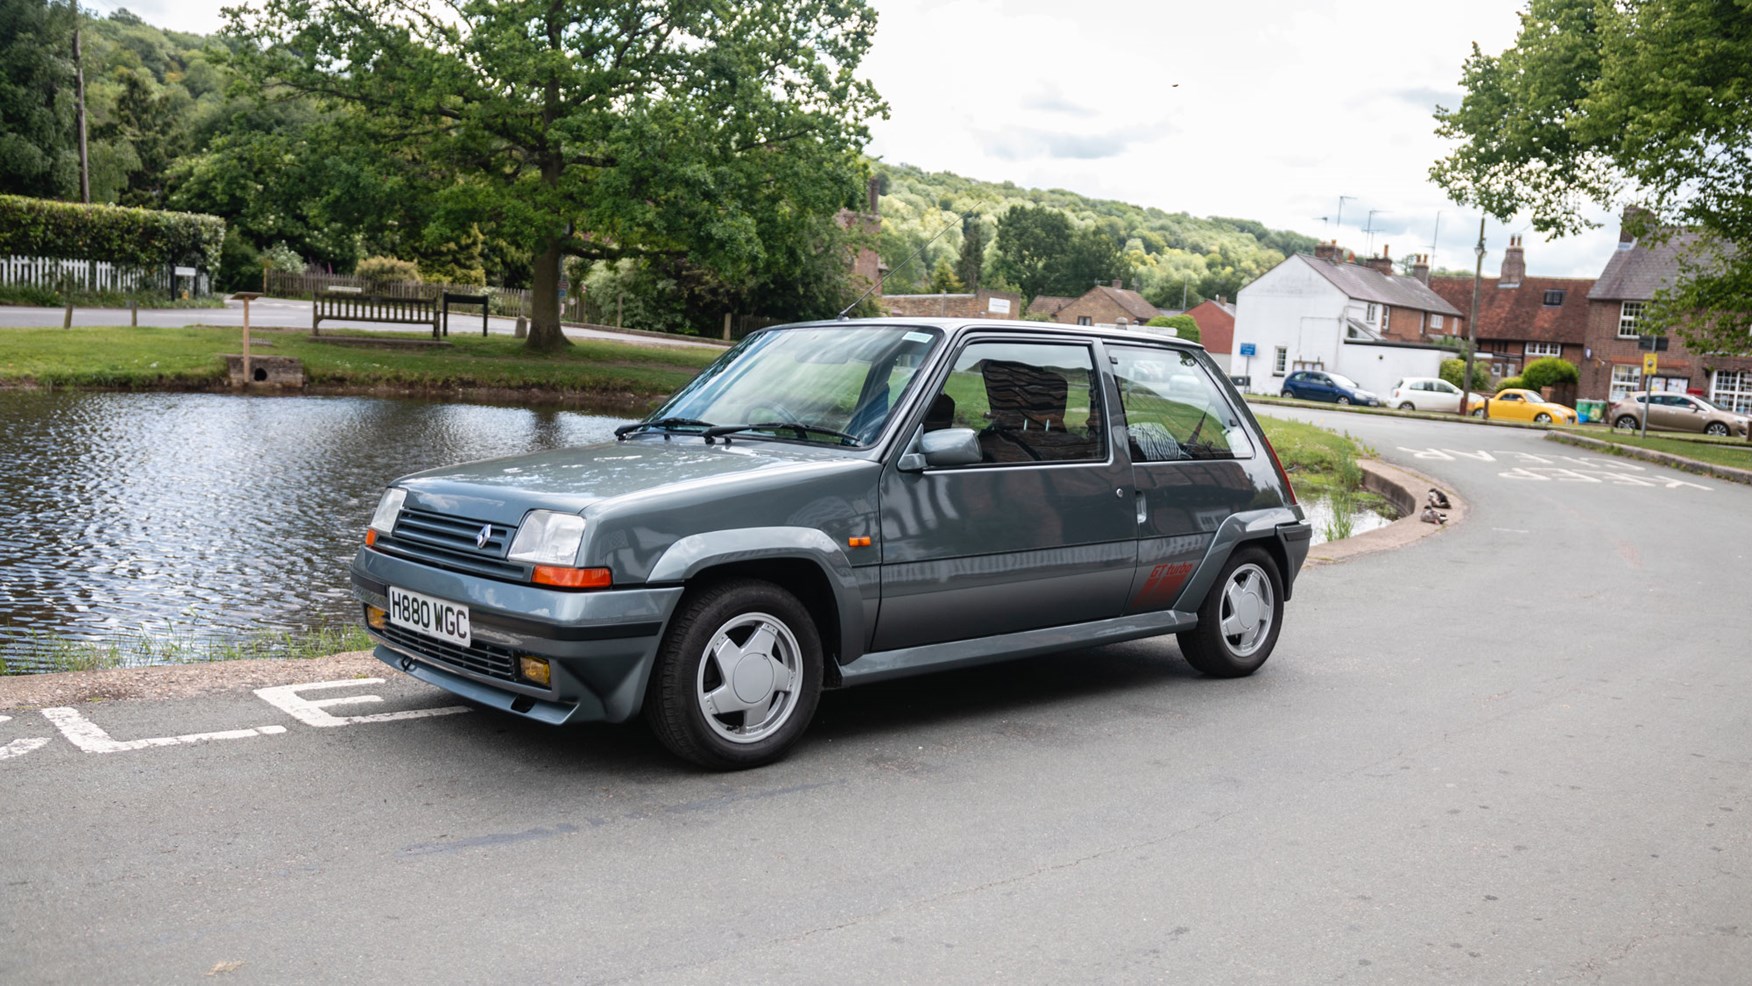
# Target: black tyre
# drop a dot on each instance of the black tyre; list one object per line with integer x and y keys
{"x": 738, "y": 676}
{"x": 1717, "y": 429}
{"x": 1343, "y": 399}
{"x": 1478, "y": 412}
{"x": 1238, "y": 621}
{"x": 1541, "y": 418}
{"x": 1407, "y": 406}
{"x": 1625, "y": 422}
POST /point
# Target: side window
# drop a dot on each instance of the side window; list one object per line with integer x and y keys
{"x": 1030, "y": 402}
{"x": 1173, "y": 409}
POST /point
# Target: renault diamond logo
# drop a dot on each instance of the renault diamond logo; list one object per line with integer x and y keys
{"x": 485, "y": 535}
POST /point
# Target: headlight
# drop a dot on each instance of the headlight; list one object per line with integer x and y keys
{"x": 388, "y": 509}
{"x": 548, "y": 538}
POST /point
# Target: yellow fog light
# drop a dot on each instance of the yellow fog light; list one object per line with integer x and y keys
{"x": 376, "y": 618}
{"x": 534, "y": 669}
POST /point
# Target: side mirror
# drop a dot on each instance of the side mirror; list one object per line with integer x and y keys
{"x": 944, "y": 447}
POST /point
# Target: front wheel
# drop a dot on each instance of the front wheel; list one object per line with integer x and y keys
{"x": 1717, "y": 429}
{"x": 1343, "y": 399}
{"x": 1238, "y": 621}
{"x": 738, "y": 676}
{"x": 1541, "y": 418}
{"x": 1625, "y": 422}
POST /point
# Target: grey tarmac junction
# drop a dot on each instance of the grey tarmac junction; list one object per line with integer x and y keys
{"x": 1517, "y": 751}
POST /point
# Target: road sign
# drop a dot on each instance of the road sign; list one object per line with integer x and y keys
{"x": 1248, "y": 349}
{"x": 1649, "y": 360}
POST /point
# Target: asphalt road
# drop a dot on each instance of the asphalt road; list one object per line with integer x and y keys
{"x": 1514, "y": 752}
{"x": 290, "y": 313}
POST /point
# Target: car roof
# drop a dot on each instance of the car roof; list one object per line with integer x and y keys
{"x": 956, "y": 327}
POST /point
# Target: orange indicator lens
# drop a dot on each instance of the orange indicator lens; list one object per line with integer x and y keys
{"x": 565, "y": 577}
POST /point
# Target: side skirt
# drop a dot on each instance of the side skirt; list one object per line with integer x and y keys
{"x": 884, "y": 665}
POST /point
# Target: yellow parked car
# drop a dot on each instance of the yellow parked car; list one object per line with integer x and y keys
{"x": 1523, "y": 405}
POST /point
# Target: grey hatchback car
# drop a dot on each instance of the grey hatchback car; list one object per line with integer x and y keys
{"x": 836, "y": 503}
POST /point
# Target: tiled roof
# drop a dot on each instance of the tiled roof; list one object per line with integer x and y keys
{"x": 1520, "y": 313}
{"x": 1048, "y": 304}
{"x": 1133, "y": 303}
{"x": 1637, "y": 273}
{"x": 1365, "y": 284}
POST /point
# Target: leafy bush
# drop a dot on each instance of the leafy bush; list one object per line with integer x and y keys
{"x": 1454, "y": 371}
{"x": 1548, "y": 372}
{"x": 281, "y": 257}
{"x": 137, "y": 237}
{"x": 1183, "y": 325}
{"x": 26, "y": 294}
{"x": 1512, "y": 383}
{"x": 382, "y": 270}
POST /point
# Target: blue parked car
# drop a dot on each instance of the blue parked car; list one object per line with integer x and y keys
{"x": 1318, "y": 385}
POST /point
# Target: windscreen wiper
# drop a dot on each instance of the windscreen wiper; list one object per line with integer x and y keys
{"x": 802, "y": 431}
{"x": 625, "y": 430}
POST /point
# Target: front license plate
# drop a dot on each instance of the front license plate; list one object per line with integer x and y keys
{"x": 445, "y": 621}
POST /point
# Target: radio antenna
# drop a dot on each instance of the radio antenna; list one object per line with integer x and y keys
{"x": 915, "y": 255}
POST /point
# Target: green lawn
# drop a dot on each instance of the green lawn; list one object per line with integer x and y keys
{"x": 1732, "y": 452}
{"x": 191, "y": 357}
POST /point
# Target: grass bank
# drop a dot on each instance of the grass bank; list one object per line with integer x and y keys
{"x": 1323, "y": 466}
{"x": 1732, "y": 452}
{"x": 615, "y": 374}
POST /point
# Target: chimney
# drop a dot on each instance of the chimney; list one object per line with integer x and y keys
{"x": 1382, "y": 264}
{"x": 1420, "y": 267}
{"x": 1327, "y": 252}
{"x": 1118, "y": 283}
{"x": 1635, "y": 221}
{"x": 1514, "y": 269}
{"x": 873, "y": 193}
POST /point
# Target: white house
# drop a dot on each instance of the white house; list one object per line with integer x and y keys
{"x": 1322, "y": 312}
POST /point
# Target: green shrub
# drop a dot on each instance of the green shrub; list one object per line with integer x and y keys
{"x": 383, "y": 270}
{"x": 1183, "y": 325}
{"x": 1454, "y": 370}
{"x": 281, "y": 257}
{"x": 1548, "y": 372}
{"x": 25, "y": 294}
{"x": 1512, "y": 383}
{"x": 135, "y": 237}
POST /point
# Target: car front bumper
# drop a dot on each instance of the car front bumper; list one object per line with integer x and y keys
{"x": 599, "y": 646}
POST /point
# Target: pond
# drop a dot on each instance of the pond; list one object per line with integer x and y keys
{"x": 136, "y": 519}
{"x": 164, "y": 526}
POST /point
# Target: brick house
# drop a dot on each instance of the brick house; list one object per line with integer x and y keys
{"x": 1047, "y": 305}
{"x": 1107, "y": 305}
{"x": 1216, "y": 325}
{"x": 1521, "y": 318}
{"x": 1613, "y": 366}
{"x": 983, "y": 303}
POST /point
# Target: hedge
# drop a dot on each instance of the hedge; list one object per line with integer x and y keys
{"x": 139, "y": 237}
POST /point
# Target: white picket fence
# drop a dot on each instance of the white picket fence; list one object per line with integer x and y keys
{"x": 54, "y": 273}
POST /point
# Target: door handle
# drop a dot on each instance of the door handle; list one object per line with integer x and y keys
{"x": 1143, "y": 512}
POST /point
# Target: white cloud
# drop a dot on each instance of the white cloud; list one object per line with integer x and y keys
{"x": 1262, "y": 109}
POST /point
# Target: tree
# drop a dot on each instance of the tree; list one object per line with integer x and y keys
{"x": 1454, "y": 371}
{"x": 1615, "y": 102}
{"x": 38, "y": 154}
{"x": 1184, "y": 326}
{"x": 971, "y": 263}
{"x": 691, "y": 130}
{"x": 1030, "y": 245}
{"x": 944, "y": 279}
{"x": 1548, "y": 372}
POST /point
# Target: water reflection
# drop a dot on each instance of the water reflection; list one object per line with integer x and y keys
{"x": 131, "y": 515}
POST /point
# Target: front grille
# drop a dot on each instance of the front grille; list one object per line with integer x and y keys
{"x": 450, "y": 542}
{"x": 494, "y": 662}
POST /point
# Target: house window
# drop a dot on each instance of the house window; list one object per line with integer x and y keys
{"x": 1369, "y": 313}
{"x": 1435, "y": 321}
{"x": 1732, "y": 389}
{"x": 1625, "y": 379}
{"x": 1279, "y": 360}
{"x": 1628, "y": 317}
{"x": 1554, "y": 298}
{"x": 1083, "y": 320}
{"x": 1545, "y": 349}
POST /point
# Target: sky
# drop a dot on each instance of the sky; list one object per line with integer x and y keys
{"x": 1308, "y": 115}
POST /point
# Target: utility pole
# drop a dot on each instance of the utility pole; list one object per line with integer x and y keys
{"x": 1472, "y": 326}
{"x": 79, "y": 90}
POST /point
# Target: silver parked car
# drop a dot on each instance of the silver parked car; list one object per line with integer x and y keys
{"x": 836, "y": 503}
{"x": 1425, "y": 394}
{"x": 1676, "y": 412}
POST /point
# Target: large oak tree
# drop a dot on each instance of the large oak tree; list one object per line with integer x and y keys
{"x": 704, "y": 131}
{"x": 1616, "y": 102}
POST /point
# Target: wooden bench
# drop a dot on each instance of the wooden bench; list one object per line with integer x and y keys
{"x": 453, "y": 298}
{"x": 353, "y": 305}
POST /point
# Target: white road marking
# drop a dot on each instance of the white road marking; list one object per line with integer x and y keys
{"x": 1561, "y": 468}
{"x": 310, "y": 712}
{"x": 19, "y": 747}
{"x": 91, "y": 738}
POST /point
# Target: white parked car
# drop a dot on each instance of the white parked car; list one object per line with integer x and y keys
{"x": 1425, "y": 394}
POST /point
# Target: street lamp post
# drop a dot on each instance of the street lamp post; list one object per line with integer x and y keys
{"x": 1472, "y": 327}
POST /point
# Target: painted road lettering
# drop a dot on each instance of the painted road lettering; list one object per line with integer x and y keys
{"x": 1561, "y": 468}
{"x": 92, "y": 738}
{"x": 311, "y": 711}
{"x": 19, "y": 747}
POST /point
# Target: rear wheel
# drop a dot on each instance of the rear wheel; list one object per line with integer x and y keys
{"x": 1238, "y": 621}
{"x": 1717, "y": 429}
{"x": 738, "y": 677}
{"x": 1625, "y": 422}
{"x": 1407, "y": 406}
{"x": 1478, "y": 412}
